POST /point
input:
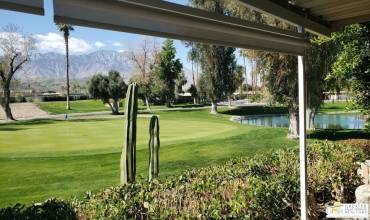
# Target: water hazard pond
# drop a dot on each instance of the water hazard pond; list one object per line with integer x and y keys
{"x": 321, "y": 121}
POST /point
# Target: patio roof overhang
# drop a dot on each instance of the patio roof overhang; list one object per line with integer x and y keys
{"x": 28, "y": 6}
{"x": 165, "y": 19}
{"x": 320, "y": 17}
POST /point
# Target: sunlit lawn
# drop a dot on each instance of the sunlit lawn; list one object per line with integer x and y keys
{"x": 330, "y": 107}
{"x": 83, "y": 106}
{"x": 48, "y": 158}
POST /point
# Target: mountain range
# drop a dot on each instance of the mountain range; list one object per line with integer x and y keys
{"x": 52, "y": 65}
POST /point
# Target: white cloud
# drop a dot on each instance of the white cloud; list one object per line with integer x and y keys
{"x": 99, "y": 44}
{"x": 53, "y": 42}
{"x": 117, "y": 44}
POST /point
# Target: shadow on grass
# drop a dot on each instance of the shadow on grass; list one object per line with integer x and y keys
{"x": 255, "y": 110}
{"x": 89, "y": 120}
{"x": 335, "y": 135}
{"x": 178, "y": 110}
{"x": 3, "y": 128}
{"x": 28, "y": 122}
{"x": 184, "y": 106}
{"x": 189, "y": 106}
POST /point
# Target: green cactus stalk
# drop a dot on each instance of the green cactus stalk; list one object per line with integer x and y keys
{"x": 128, "y": 157}
{"x": 154, "y": 145}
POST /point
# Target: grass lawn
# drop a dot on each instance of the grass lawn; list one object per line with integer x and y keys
{"x": 82, "y": 106}
{"x": 332, "y": 107}
{"x": 76, "y": 106}
{"x": 48, "y": 158}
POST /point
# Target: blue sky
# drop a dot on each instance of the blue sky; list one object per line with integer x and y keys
{"x": 83, "y": 40}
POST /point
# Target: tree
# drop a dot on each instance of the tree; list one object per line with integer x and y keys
{"x": 238, "y": 79}
{"x": 194, "y": 92}
{"x": 218, "y": 68}
{"x": 166, "y": 71}
{"x": 280, "y": 71}
{"x": 244, "y": 56}
{"x": 66, "y": 29}
{"x": 180, "y": 82}
{"x": 144, "y": 58}
{"x": 282, "y": 82}
{"x": 194, "y": 57}
{"x": 202, "y": 89}
{"x": 218, "y": 63}
{"x": 15, "y": 51}
{"x": 351, "y": 64}
{"x": 108, "y": 88}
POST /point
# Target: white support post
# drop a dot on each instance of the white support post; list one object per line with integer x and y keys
{"x": 302, "y": 133}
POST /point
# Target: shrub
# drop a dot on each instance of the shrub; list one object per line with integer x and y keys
{"x": 363, "y": 144}
{"x": 50, "y": 209}
{"x": 256, "y": 97}
{"x": 263, "y": 187}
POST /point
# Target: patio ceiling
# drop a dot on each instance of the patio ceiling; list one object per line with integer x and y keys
{"x": 27, "y": 6}
{"x": 317, "y": 16}
{"x": 165, "y": 19}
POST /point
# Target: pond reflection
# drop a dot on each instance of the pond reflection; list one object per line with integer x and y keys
{"x": 322, "y": 121}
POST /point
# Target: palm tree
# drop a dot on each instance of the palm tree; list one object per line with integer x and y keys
{"x": 66, "y": 29}
{"x": 243, "y": 54}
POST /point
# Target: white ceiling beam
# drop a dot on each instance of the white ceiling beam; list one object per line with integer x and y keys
{"x": 165, "y": 19}
{"x": 275, "y": 10}
{"x": 26, "y": 6}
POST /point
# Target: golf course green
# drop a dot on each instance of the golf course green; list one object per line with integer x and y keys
{"x": 50, "y": 158}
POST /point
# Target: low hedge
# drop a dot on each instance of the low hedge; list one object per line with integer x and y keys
{"x": 263, "y": 187}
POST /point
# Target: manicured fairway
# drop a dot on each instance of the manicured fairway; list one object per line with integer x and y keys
{"x": 82, "y": 106}
{"x": 332, "y": 107}
{"x": 76, "y": 106}
{"x": 42, "y": 159}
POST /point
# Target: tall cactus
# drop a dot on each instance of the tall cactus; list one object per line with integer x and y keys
{"x": 128, "y": 157}
{"x": 154, "y": 145}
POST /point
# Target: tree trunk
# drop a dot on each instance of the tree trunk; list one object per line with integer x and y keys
{"x": 147, "y": 103}
{"x": 293, "y": 125}
{"x": 214, "y": 107}
{"x": 68, "y": 107}
{"x": 6, "y": 103}
{"x": 195, "y": 100}
{"x": 112, "y": 108}
{"x": 229, "y": 99}
{"x": 310, "y": 115}
{"x": 246, "y": 75}
{"x": 115, "y": 107}
{"x": 192, "y": 70}
{"x": 197, "y": 67}
{"x": 168, "y": 103}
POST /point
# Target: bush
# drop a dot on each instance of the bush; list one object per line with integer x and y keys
{"x": 50, "y": 209}
{"x": 363, "y": 144}
{"x": 14, "y": 99}
{"x": 265, "y": 187}
{"x": 256, "y": 97}
{"x": 262, "y": 187}
{"x": 53, "y": 98}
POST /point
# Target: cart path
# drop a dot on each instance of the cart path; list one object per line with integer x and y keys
{"x": 24, "y": 111}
